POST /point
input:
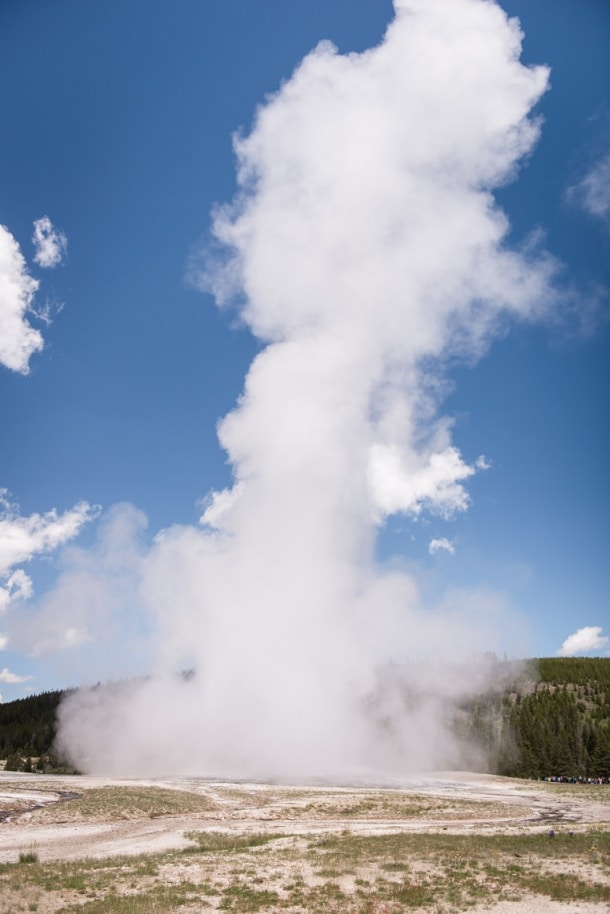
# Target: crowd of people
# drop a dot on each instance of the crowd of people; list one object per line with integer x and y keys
{"x": 564, "y": 779}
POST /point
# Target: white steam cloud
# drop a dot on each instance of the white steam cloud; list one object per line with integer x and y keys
{"x": 366, "y": 247}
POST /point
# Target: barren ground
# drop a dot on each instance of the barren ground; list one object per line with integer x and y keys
{"x": 447, "y": 842}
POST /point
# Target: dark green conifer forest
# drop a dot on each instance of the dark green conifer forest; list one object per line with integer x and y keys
{"x": 27, "y": 731}
{"x": 548, "y": 718}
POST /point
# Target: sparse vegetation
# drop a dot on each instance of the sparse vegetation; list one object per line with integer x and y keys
{"x": 335, "y": 873}
{"x": 110, "y": 803}
{"x": 212, "y": 842}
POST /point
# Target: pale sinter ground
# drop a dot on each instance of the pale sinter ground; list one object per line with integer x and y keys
{"x": 304, "y": 861}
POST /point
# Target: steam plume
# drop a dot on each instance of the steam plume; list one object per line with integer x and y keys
{"x": 365, "y": 247}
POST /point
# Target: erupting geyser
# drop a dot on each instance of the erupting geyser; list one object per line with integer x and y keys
{"x": 364, "y": 246}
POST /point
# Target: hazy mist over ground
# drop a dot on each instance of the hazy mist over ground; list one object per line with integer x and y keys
{"x": 364, "y": 249}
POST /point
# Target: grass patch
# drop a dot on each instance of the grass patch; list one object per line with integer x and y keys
{"x": 30, "y": 856}
{"x": 112, "y": 803}
{"x": 159, "y": 900}
{"x": 394, "y": 867}
{"x": 242, "y": 897}
{"x": 216, "y": 842}
{"x": 360, "y": 849}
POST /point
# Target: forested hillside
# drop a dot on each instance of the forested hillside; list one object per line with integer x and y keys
{"x": 551, "y": 720}
{"x": 27, "y": 731}
{"x": 543, "y": 718}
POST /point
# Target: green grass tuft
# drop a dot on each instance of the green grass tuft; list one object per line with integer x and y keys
{"x": 28, "y": 856}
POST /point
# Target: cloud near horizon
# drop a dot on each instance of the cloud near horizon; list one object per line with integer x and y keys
{"x": 12, "y": 678}
{"x": 584, "y": 641}
{"x": 95, "y": 602}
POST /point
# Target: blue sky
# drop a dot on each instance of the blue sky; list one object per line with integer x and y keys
{"x": 118, "y": 122}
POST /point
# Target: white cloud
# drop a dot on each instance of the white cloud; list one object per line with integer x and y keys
{"x": 12, "y": 678}
{"x": 436, "y": 545}
{"x": 21, "y": 538}
{"x": 14, "y": 586}
{"x": 583, "y": 641}
{"x": 50, "y": 244}
{"x": 593, "y": 192}
{"x": 18, "y": 339}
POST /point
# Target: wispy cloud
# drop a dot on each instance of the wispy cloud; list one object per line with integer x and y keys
{"x": 583, "y": 641}
{"x": 592, "y": 193}
{"x": 12, "y": 678}
{"x": 50, "y": 244}
{"x": 442, "y": 543}
{"x": 21, "y": 538}
{"x": 95, "y": 601}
